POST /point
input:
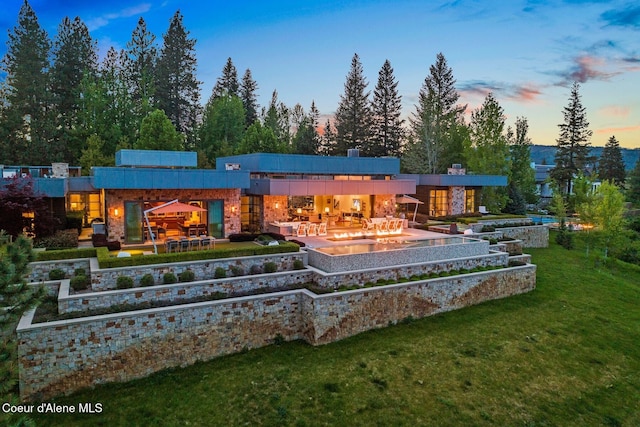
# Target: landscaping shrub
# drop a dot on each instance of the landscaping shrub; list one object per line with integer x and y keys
{"x": 298, "y": 264}
{"x": 57, "y": 274}
{"x": 124, "y": 282}
{"x": 79, "y": 283}
{"x": 564, "y": 237}
{"x": 62, "y": 239}
{"x": 237, "y": 270}
{"x": 264, "y": 239}
{"x": 187, "y": 276}
{"x": 255, "y": 269}
{"x": 242, "y": 237}
{"x": 74, "y": 220}
{"x": 67, "y": 254}
{"x": 147, "y": 280}
{"x": 80, "y": 272}
{"x": 220, "y": 273}
{"x": 275, "y": 236}
{"x": 487, "y": 229}
{"x": 270, "y": 267}
{"x": 169, "y": 278}
{"x": 298, "y": 242}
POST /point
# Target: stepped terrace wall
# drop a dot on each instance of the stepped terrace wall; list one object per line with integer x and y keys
{"x": 63, "y": 356}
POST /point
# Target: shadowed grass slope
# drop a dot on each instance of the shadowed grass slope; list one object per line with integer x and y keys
{"x": 567, "y": 353}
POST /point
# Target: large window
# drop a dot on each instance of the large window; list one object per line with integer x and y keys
{"x": 438, "y": 202}
{"x": 469, "y": 200}
{"x": 251, "y": 213}
{"x": 133, "y": 222}
{"x": 216, "y": 218}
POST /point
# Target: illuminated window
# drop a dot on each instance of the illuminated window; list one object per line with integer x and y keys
{"x": 438, "y": 202}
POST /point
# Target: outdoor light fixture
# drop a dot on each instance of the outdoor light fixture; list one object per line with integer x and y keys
{"x": 116, "y": 212}
{"x": 233, "y": 209}
{"x": 277, "y": 205}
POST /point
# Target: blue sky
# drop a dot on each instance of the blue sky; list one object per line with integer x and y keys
{"x": 527, "y": 53}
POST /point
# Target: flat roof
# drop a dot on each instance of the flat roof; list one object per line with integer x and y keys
{"x": 443, "y": 180}
{"x": 157, "y": 158}
{"x": 158, "y": 178}
{"x": 309, "y": 164}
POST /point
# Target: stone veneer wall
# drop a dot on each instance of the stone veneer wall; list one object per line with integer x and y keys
{"x": 105, "y": 279}
{"x": 40, "y": 270}
{"x": 64, "y": 356}
{"x": 380, "y": 209}
{"x": 114, "y": 199}
{"x": 270, "y": 213}
{"x": 456, "y": 200}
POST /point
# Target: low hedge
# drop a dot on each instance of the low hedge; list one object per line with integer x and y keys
{"x": 106, "y": 261}
{"x": 66, "y": 254}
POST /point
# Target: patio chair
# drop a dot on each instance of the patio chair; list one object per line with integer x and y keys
{"x": 184, "y": 244}
{"x": 384, "y": 226}
{"x": 205, "y": 242}
{"x": 368, "y": 225}
{"x": 312, "y": 231}
{"x": 171, "y": 246}
{"x": 302, "y": 230}
{"x": 322, "y": 229}
{"x": 163, "y": 230}
{"x": 194, "y": 243}
{"x": 393, "y": 226}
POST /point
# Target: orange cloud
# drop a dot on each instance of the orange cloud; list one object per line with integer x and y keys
{"x": 615, "y": 111}
{"x": 618, "y": 130}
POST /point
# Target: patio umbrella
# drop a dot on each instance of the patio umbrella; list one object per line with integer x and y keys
{"x": 408, "y": 199}
{"x": 169, "y": 207}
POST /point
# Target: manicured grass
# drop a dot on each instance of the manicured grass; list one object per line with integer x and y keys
{"x": 567, "y": 353}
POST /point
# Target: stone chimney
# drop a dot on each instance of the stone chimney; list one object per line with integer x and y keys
{"x": 456, "y": 169}
{"x": 59, "y": 170}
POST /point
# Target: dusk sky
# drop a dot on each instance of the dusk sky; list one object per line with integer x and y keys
{"x": 527, "y": 53}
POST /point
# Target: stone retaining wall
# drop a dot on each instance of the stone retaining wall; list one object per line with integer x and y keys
{"x": 63, "y": 356}
{"x": 40, "y": 270}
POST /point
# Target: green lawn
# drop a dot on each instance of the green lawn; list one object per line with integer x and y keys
{"x": 566, "y": 354}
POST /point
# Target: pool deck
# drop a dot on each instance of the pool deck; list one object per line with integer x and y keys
{"x": 323, "y": 241}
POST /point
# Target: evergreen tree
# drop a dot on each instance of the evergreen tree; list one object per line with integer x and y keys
{"x": 140, "y": 58}
{"x": 75, "y": 59}
{"x": 227, "y": 84}
{"x": 387, "y": 128}
{"x": 222, "y": 127}
{"x": 277, "y": 117}
{"x": 27, "y": 129}
{"x": 327, "y": 139}
{"x": 436, "y": 123}
{"x": 16, "y": 297}
{"x": 248, "y": 88}
{"x": 93, "y": 155}
{"x": 158, "y": 133}
{"x": 354, "y": 116}
{"x": 633, "y": 191}
{"x": 522, "y": 175}
{"x": 572, "y": 144}
{"x": 487, "y": 151}
{"x": 259, "y": 139}
{"x": 611, "y": 166}
{"x": 177, "y": 89}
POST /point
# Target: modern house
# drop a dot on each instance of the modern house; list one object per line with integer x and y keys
{"x": 247, "y": 192}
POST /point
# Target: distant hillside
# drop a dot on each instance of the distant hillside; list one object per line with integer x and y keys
{"x": 544, "y": 154}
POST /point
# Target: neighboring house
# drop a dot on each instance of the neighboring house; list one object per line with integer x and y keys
{"x": 248, "y": 192}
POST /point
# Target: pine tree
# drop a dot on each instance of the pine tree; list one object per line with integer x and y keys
{"x": 327, "y": 139}
{"x": 522, "y": 175}
{"x": 633, "y": 190}
{"x": 227, "y": 83}
{"x": 611, "y": 166}
{"x": 572, "y": 144}
{"x": 487, "y": 151}
{"x": 140, "y": 58}
{"x": 354, "y": 116}
{"x": 177, "y": 89}
{"x": 277, "y": 118}
{"x": 387, "y": 130}
{"x": 248, "y": 88}
{"x": 26, "y": 123}
{"x": 222, "y": 127}
{"x": 75, "y": 59}
{"x": 436, "y": 122}
{"x": 306, "y": 139}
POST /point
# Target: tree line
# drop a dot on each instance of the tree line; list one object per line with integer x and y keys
{"x": 60, "y": 103}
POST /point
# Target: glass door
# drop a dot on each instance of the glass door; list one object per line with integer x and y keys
{"x": 133, "y": 222}
{"x": 216, "y": 218}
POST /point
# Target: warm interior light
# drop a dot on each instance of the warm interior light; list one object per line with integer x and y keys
{"x": 326, "y": 210}
{"x": 299, "y": 210}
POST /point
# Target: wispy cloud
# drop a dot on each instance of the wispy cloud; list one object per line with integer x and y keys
{"x": 627, "y": 17}
{"x": 615, "y": 111}
{"x": 612, "y": 131}
{"x": 585, "y": 68}
{"x": 523, "y": 93}
{"x": 104, "y": 20}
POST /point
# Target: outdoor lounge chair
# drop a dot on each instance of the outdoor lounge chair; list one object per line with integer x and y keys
{"x": 368, "y": 225}
{"x": 312, "y": 231}
{"x": 302, "y": 230}
{"x": 322, "y": 229}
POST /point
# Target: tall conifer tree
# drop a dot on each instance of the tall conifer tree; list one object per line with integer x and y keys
{"x": 611, "y": 166}
{"x": 177, "y": 89}
{"x": 354, "y": 115}
{"x": 572, "y": 144}
{"x": 140, "y": 58}
{"x": 27, "y": 129}
{"x": 248, "y": 88}
{"x": 387, "y": 131}
{"x": 227, "y": 83}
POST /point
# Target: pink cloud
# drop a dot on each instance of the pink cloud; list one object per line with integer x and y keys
{"x": 612, "y": 131}
{"x": 615, "y": 111}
